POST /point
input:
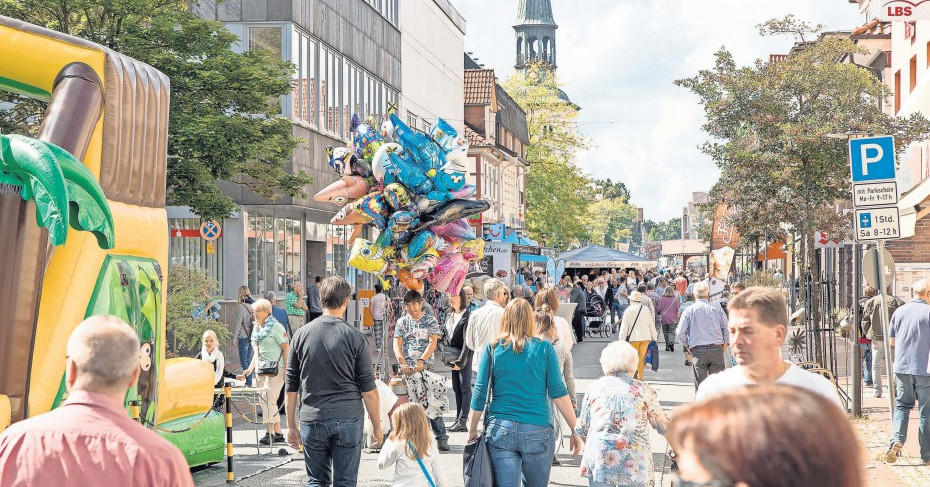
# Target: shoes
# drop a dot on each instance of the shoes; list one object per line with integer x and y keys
{"x": 868, "y": 383}
{"x": 893, "y": 451}
{"x": 667, "y": 349}
{"x": 276, "y": 438}
{"x": 443, "y": 444}
{"x": 671, "y": 348}
{"x": 687, "y": 363}
{"x": 878, "y": 394}
{"x": 556, "y": 462}
{"x": 458, "y": 426}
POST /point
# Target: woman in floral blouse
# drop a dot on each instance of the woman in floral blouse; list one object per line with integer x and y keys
{"x": 615, "y": 418}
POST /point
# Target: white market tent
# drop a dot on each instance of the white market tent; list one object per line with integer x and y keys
{"x": 596, "y": 256}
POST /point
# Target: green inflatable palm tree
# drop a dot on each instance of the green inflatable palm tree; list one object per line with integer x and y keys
{"x": 63, "y": 189}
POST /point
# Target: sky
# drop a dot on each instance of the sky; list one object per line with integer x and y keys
{"x": 618, "y": 60}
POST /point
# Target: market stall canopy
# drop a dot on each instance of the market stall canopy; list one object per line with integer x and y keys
{"x": 679, "y": 248}
{"x": 595, "y": 256}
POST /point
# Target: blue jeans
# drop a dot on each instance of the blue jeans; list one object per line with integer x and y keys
{"x": 439, "y": 428}
{"x": 592, "y": 483}
{"x": 332, "y": 446}
{"x": 520, "y": 448}
{"x": 866, "y": 362}
{"x": 245, "y": 357}
{"x": 911, "y": 388}
{"x": 616, "y": 311}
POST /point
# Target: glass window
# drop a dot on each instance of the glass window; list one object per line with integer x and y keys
{"x": 188, "y": 248}
{"x": 298, "y": 84}
{"x": 346, "y": 98}
{"x": 268, "y": 39}
{"x": 311, "y": 82}
{"x": 337, "y": 253}
{"x": 288, "y": 241}
{"x": 261, "y": 252}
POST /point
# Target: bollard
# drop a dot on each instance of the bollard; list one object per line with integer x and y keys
{"x": 134, "y": 408}
{"x": 230, "y": 476}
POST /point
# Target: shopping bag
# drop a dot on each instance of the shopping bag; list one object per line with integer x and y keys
{"x": 652, "y": 355}
{"x": 386, "y": 401}
{"x": 477, "y": 463}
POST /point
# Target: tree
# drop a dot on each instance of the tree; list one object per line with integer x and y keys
{"x": 610, "y": 222}
{"x": 769, "y": 124}
{"x": 557, "y": 191}
{"x": 187, "y": 287}
{"x": 670, "y": 230}
{"x": 609, "y": 189}
{"x": 222, "y": 126}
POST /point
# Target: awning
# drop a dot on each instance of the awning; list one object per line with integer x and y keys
{"x": 532, "y": 258}
{"x": 909, "y": 207}
{"x": 595, "y": 256}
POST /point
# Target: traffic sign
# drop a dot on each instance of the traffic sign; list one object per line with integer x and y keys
{"x": 210, "y": 230}
{"x": 878, "y": 223}
{"x": 875, "y": 194}
{"x": 872, "y": 159}
{"x": 870, "y": 267}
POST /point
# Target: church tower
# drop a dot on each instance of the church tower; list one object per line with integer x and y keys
{"x": 535, "y": 32}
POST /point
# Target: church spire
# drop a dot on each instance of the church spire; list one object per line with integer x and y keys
{"x": 535, "y": 33}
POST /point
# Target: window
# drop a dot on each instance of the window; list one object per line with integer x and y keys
{"x": 187, "y": 248}
{"x": 275, "y": 246}
{"x": 897, "y": 92}
{"x": 913, "y": 73}
{"x": 268, "y": 39}
{"x": 387, "y": 8}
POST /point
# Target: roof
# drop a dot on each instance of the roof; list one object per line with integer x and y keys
{"x": 479, "y": 86}
{"x": 598, "y": 256}
{"x": 683, "y": 247}
{"x": 538, "y": 12}
{"x": 474, "y": 138}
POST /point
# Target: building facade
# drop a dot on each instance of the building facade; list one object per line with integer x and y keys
{"x": 432, "y": 42}
{"x": 495, "y": 127}
{"x": 691, "y": 217}
{"x": 347, "y": 55}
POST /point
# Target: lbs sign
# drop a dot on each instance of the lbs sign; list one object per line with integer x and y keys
{"x": 907, "y": 10}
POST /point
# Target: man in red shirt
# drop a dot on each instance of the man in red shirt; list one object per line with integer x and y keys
{"x": 90, "y": 439}
{"x": 681, "y": 285}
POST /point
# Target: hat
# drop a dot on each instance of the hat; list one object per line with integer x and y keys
{"x": 636, "y": 296}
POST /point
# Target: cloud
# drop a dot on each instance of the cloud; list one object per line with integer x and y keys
{"x": 619, "y": 59}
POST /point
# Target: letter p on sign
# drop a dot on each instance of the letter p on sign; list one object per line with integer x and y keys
{"x": 872, "y": 159}
{"x": 876, "y": 157}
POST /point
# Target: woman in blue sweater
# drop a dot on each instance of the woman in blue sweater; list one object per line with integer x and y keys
{"x": 525, "y": 376}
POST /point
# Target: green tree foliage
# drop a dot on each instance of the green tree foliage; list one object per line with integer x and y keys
{"x": 609, "y": 189}
{"x": 610, "y": 222}
{"x": 557, "y": 191}
{"x": 670, "y": 230}
{"x": 188, "y": 289}
{"x": 222, "y": 126}
{"x": 769, "y": 124}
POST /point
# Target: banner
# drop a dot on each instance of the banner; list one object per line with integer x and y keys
{"x": 906, "y": 10}
{"x": 497, "y": 262}
{"x": 723, "y": 242}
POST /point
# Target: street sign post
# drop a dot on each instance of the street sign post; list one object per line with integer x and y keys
{"x": 871, "y": 161}
{"x": 878, "y": 223}
{"x": 870, "y": 268}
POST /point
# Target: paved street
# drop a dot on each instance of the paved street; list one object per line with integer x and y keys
{"x": 672, "y": 383}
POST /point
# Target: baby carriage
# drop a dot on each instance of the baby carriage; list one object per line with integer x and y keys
{"x": 594, "y": 315}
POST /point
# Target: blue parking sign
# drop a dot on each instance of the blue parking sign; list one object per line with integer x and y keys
{"x": 872, "y": 158}
{"x": 865, "y": 220}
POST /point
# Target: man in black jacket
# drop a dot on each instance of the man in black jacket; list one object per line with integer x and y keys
{"x": 580, "y": 298}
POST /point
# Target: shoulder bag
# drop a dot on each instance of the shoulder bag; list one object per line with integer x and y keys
{"x": 635, "y": 320}
{"x": 422, "y": 467}
{"x": 476, "y": 458}
{"x": 268, "y": 367}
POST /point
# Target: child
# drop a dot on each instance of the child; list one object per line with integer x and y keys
{"x": 411, "y": 436}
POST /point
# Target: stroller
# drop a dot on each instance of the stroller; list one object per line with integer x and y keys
{"x": 594, "y": 315}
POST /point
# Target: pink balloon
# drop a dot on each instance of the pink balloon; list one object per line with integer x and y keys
{"x": 449, "y": 274}
{"x": 454, "y": 230}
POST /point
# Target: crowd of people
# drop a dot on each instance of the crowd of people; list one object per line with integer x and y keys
{"x": 513, "y": 384}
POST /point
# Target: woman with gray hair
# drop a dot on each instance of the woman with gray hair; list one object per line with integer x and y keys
{"x": 615, "y": 418}
{"x": 269, "y": 339}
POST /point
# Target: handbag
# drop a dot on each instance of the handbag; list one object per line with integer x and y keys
{"x": 422, "y": 467}
{"x": 652, "y": 355}
{"x": 451, "y": 356}
{"x": 475, "y": 456}
{"x": 268, "y": 367}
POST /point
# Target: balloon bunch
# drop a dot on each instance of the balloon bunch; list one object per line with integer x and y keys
{"x": 411, "y": 187}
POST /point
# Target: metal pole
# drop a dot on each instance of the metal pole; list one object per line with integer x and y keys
{"x": 857, "y": 349}
{"x": 880, "y": 270}
{"x": 230, "y": 475}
